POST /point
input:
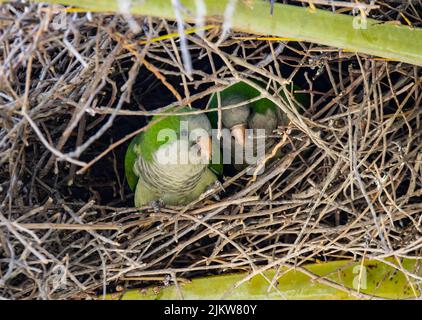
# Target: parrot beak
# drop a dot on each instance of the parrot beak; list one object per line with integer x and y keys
{"x": 204, "y": 144}
{"x": 239, "y": 134}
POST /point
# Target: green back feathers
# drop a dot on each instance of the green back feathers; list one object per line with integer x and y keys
{"x": 240, "y": 90}
{"x": 245, "y": 92}
{"x": 150, "y": 141}
{"x": 262, "y": 105}
{"x": 301, "y": 98}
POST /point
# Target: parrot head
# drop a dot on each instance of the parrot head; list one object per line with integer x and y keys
{"x": 174, "y": 139}
{"x": 262, "y": 113}
{"x": 238, "y": 119}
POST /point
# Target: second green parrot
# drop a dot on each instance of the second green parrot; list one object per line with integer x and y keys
{"x": 261, "y": 114}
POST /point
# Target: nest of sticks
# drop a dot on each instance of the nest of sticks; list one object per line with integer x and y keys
{"x": 75, "y": 87}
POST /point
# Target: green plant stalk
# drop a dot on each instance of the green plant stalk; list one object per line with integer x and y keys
{"x": 390, "y": 41}
{"x": 377, "y": 279}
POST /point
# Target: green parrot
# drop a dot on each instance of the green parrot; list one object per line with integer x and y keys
{"x": 261, "y": 114}
{"x": 169, "y": 162}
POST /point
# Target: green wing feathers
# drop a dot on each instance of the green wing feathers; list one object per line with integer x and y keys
{"x": 130, "y": 159}
{"x": 248, "y": 92}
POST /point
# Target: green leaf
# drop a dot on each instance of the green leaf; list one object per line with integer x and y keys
{"x": 368, "y": 36}
{"x": 247, "y": 92}
{"x": 372, "y": 278}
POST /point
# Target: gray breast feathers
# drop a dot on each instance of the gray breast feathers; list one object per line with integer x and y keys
{"x": 177, "y": 178}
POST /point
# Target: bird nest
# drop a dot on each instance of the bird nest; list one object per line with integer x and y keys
{"x": 75, "y": 87}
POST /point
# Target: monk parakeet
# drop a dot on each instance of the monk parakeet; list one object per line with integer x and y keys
{"x": 169, "y": 161}
{"x": 261, "y": 114}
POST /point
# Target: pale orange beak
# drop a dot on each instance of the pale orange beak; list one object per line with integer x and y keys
{"x": 239, "y": 134}
{"x": 205, "y": 145}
